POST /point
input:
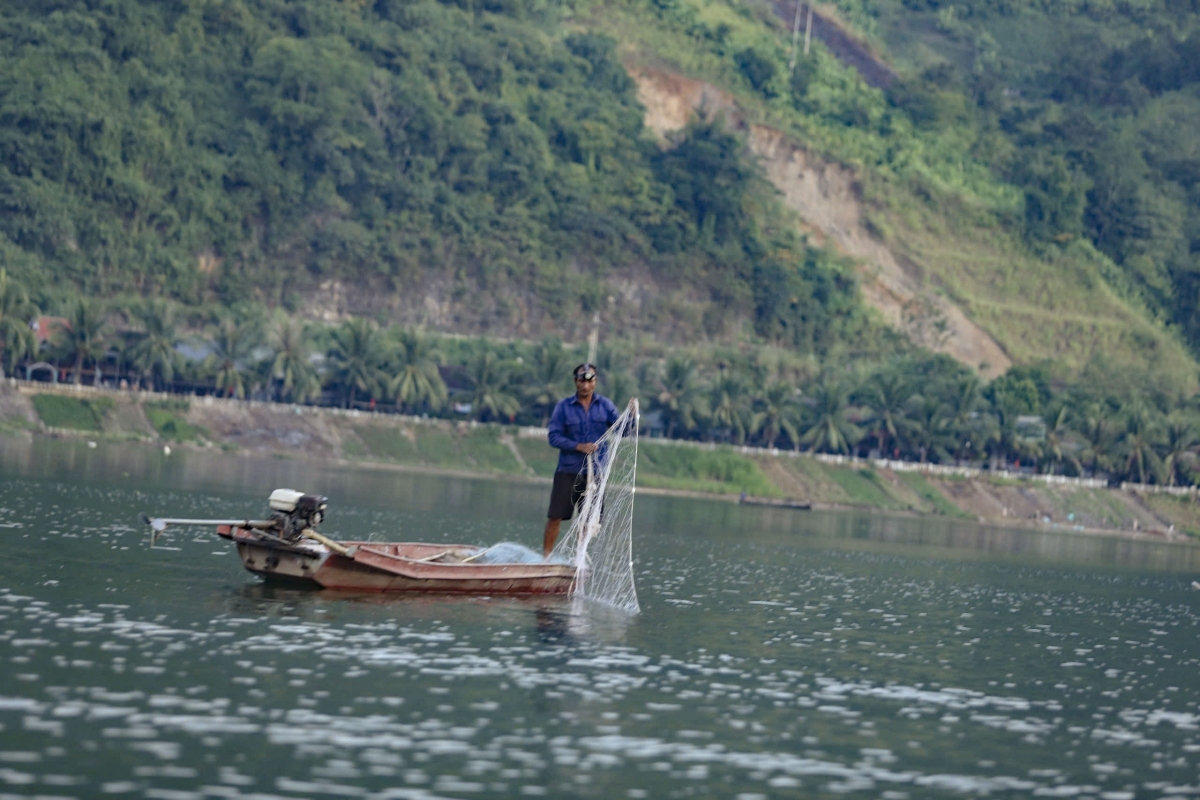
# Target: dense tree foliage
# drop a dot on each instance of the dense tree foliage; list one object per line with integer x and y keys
{"x": 230, "y": 148}
{"x": 196, "y": 155}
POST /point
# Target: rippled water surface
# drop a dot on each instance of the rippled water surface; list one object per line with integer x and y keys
{"x": 779, "y": 653}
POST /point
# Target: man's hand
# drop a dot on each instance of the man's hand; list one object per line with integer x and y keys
{"x": 586, "y": 447}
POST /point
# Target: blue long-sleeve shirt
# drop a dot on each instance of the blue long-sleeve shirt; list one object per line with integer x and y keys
{"x": 570, "y": 424}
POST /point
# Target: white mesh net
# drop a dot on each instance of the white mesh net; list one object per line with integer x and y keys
{"x": 599, "y": 543}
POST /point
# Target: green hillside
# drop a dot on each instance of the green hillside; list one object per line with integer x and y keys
{"x": 215, "y": 152}
{"x": 949, "y": 189}
{"x": 1090, "y": 110}
{"x": 491, "y": 157}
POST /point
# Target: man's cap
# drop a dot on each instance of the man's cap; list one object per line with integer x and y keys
{"x": 585, "y": 371}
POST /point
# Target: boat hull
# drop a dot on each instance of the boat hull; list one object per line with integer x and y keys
{"x": 400, "y": 567}
{"x": 798, "y": 505}
{"x": 393, "y": 567}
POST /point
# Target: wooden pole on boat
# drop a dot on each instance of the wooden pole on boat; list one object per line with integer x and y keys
{"x": 340, "y": 549}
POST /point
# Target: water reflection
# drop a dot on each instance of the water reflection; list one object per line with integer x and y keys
{"x": 856, "y": 529}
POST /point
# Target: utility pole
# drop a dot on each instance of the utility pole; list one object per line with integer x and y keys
{"x": 808, "y": 30}
{"x": 795, "y": 38}
{"x": 593, "y": 338}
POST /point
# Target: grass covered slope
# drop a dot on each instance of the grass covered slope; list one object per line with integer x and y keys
{"x": 1089, "y": 109}
{"x": 70, "y": 413}
{"x": 1055, "y": 306}
{"x": 935, "y": 181}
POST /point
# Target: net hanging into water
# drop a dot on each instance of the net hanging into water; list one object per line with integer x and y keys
{"x": 599, "y": 543}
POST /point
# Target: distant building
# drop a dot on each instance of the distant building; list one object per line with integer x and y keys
{"x": 1031, "y": 428}
{"x": 44, "y": 328}
{"x": 195, "y": 351}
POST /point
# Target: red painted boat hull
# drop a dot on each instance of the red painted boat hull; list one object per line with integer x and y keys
{"x": 397, "y": 567}
{"x": 394, "y": 567}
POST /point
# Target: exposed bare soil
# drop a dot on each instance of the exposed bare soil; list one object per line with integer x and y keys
{"x": 272, "y": 427}
{"x": 16, "y": 408}
{"x": 1058, "y": 507}
{"x": 827, "y": 199}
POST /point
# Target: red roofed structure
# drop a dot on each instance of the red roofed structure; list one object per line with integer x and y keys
{"x": 44, "y": 328}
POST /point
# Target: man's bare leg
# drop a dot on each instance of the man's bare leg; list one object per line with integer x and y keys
{"x": 550, "y": 536}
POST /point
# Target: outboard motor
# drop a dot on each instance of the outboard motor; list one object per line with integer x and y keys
{"x": 295, "y": 511}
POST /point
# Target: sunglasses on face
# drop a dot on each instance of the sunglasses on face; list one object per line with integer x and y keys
{"x": 584, "y": 379}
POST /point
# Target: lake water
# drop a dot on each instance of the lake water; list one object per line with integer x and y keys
{"x": 778, "y": 654}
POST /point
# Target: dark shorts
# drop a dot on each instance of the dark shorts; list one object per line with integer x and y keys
{"x": 566, "y": 493}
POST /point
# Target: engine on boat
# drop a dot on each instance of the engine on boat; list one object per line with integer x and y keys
{"x": 294, "y": 511}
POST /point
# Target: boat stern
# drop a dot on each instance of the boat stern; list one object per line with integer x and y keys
{"x": 276, "y": 561}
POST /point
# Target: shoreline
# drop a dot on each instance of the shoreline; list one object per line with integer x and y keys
{"x": 676, "y": 468}
{"x": 210, "y": 447}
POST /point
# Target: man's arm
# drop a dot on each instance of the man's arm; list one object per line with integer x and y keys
{"x": 558, "y": 430}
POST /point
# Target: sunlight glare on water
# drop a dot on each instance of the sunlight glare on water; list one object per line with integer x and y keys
{"x": 778, "y": 654}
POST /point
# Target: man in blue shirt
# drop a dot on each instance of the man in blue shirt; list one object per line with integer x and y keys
{"x": 577, "y": 422}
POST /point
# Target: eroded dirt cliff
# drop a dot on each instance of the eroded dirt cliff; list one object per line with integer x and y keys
{"x": 827, "y": 200}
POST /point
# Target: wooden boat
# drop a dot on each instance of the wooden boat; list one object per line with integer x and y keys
{"x": 287, "y": 548}
{"x": 420, "y": 567}
{"x": 392, "y": 567}
{"x": 799, "y": 505}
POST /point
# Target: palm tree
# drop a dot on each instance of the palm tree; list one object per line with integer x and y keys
{"x": 827, "y": 427}
{"x": 619, "y": 386}
{"x": 155, "y": 352}
{"x": 16, "y": 339}
{"x": 82, "y": 338}
{"x": 1138, "y": 441}
{"x": 1006, "y": 437}
{"x": 679, "y": 396}
{"x": 1180, "y": 442}
{"x": 965, "y": 424}
{"x": 355, "y": 358}
{"x": 925, "y": 427}
{"x": 1057, "y": 433}
{"x": 232, "y": 349}
{"x": 778, "y": 412}
{"x": 729, "y": 411}
{"x": 1099, "y": 432}
{"x": 417, "y": 381}
{"x": 549, "y": 377}
{"x": 491, "y": 394}
{"x": 886, "y": 396}
{"x": 292, "y": 365}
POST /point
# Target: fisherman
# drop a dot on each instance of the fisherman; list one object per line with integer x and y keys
{"x": 577, "y": 422}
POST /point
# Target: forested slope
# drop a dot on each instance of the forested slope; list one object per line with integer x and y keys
{"x": 483, "y": 167}
{"x": 481, "y": 157}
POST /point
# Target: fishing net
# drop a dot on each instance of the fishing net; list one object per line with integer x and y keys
{"x": 599, "y": 543}
{"x": 508, "y": 553}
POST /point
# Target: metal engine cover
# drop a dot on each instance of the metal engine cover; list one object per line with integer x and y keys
{"x": 284, "y": 500}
